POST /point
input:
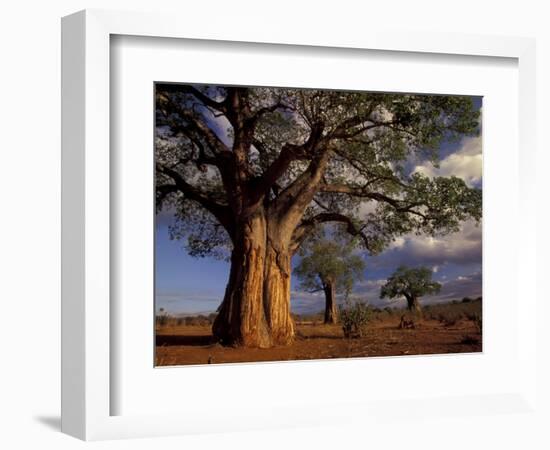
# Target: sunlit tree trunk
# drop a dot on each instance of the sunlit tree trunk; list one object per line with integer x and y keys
{"x": 255, "y": 311}
{"x": 277, "y": 294}
{"x": 413, "y": 304}
{"x": 241, "y": 317}
{"x": 331, "y": 310}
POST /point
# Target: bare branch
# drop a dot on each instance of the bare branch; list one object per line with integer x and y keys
{"x": 363, "y": 192}
{"x": 221, "y": 212}
{"x": 193, "y": 123}
{"x": 272, "y": 108}
{"x": 204, "y": 99}
{"x": 307, "y": 225}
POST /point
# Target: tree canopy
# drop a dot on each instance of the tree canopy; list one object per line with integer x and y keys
{"x": 329, "y": 262}
{"x": 222, "y": 151}
{"x": 411, "y": 283}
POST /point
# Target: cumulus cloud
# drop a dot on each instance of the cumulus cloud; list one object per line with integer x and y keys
{"x": 460, "y": 287}
{"x": 369, "y": 289}
{"x": 465, "y": 163}
{"x": 462, "y": 247}
{"x": 303, "y": 302}
{"x": 455, "y": 261}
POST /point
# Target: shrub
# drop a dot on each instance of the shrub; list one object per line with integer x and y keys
{"x": 407, "y": 322}
{"x": 449, "y": 318}
{"x": 477, "y": 320}
{"x": 354, "y": 318}
{"x": 200, "y": 320}
{"x": 162, "y": 320}
{"x": 212, "y": 317}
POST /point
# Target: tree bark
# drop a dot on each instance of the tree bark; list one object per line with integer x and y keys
{"x": 277, "y": 294}
{"x": 331, "y": 310}
{"x": 277, "y": 280}
{"x": 241, "y": 317}
{"x": 255, "y": 311}
{"x": 413, "y": 304}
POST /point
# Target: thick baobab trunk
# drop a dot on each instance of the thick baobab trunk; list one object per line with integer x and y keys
{"x": 255, "y": 311}
{"x": 413, "y": 304}
{"x": 331, "y": 310}
{"x": 256, "y": 308}
{"x": 277, "y": 281}
{"x": 241, "y": 318}
{"x": 277, "y": 294}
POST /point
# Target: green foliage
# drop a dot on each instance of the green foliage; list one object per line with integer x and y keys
{"x": 372, "y": 137}
{"x": 325, "y": 261}
{"x": 205, "y": 235}
{"x": 354, "y": 318}
{"x": 410, "y": 283}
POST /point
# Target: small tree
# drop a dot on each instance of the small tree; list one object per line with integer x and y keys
{"x": 162, "y": 317}
{"x": 330, "y": 267}
{"x": 411, "y": 283}
{"x": 355, "y": 318}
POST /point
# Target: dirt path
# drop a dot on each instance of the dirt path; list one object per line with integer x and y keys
{"x": 183, "y": 345}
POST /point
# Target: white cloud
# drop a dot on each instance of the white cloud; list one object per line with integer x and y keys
{"x": 370, "y": 283}
{"x": 399, "y": 242}
{"x": 365, "y": 208}
{"x": 465, "y": 163}
{"x": 462, "y": 286}
{"x": 462, "y": 247}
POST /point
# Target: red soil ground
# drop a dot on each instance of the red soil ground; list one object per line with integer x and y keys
{"x": 192, "y": 344}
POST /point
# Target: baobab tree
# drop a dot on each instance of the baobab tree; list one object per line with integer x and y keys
{"x": 252, "y": 171}
{"x": 411, "y": 283}
{"x": 330, "y": 267}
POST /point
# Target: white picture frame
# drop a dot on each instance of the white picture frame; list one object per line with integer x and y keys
{"x": 87, "y": 386}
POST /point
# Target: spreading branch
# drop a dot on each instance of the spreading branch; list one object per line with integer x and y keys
{"x": 190, "y": 122}
{"x": 398, "y": 205}
{"x": 203, "y": 98}
{"x": 307, "y": 225}
{"x": 220, "y": 211}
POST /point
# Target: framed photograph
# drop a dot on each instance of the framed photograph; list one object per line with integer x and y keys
{"x": 252, "y": 220}
{"x": 351, "y": 214}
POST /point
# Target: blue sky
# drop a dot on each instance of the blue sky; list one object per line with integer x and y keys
{"x": 189, "y": 285}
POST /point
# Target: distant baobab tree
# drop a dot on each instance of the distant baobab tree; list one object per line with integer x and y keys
{"x": 330, "y": 267}
{"x": 411, "y": 283}
{"x": 254, "y": 170}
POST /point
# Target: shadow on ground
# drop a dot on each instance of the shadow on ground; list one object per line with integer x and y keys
{"x": 167, "y": 340}
{"x": 51, "y": 422}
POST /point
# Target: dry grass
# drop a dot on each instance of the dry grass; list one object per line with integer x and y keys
{"x": 449, "y": 328}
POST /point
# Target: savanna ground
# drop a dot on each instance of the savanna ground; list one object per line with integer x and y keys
{"x": 445, "y": 328}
